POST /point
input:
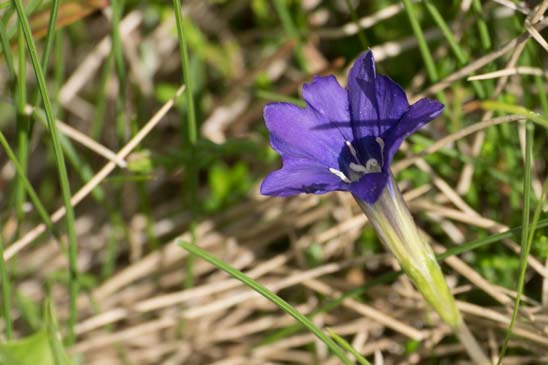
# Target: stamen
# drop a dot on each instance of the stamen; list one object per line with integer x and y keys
{"x": 340, "y": 175}
{"x": 381, "y": 144}
{"x": 380, "y": 141}
{"x": 352, "y": 150}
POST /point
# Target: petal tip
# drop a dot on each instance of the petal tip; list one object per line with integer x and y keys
{"x": 433, "y": 107}
{"x": 268, "y": 187}
{"x": 277, "y": 110}
{"x": 364, "y": 67}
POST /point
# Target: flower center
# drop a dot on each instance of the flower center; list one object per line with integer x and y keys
{"x": 357, "y": 169}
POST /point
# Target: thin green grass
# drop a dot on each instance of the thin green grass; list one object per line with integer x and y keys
{"x": 6, "y": 293}
{"x": 190, "y": 123}
{"x": 526, "y": 235}
{"x": 345, "y": 345}
{"x": 192, "y": 136}
{"x": 49, "y": 43}
{"x": 282, "y": 304}
{"x": 120, "y": 65}
{"x": 97, "y": 123}
{"x": 6, "y": 53}
{"x": 22, "y": 123}
{"x": 61, "y": 169}
{"x": 423, "y": 45}
{"x": 453, "y": 43}
{"x": 427, "y": 57}
{"x": 42, "y": 212}
{"x": 515, "y": 109}
{"x": 56, "y": 346}
{"x": 483, "y": 29}
{"x": 292, "y": 32}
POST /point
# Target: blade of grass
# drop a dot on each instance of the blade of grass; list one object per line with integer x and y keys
{"x": 541, "y": 89}
{"x": 448, "y": 34}
{"x": 525, "y": 234}
{"x": 345, "y": 345}
{"x": 22, "y": 124}
{"x": 6, "y": 51}
{"x": 29, "y": 121}
{"x": 287, "y": 22}
{"x": 485, "y": 39}
{"x": 192, "y": 136}
{"x": 52, "y": 328}
{"x": 97, "y": 122}
{"x": 453, "y": 44}
{"x": 515, "y": 109}
{"x": 424, "y": 50}
{"x": 423, "y": 46}
{"x": 61, "y": 168}
{"x": 282, "y": 304}
{"x": 6, "y": 292}
{"x": 59, "y": 67}
{"x": 185, "y": 64}
{"x": 118, "y": 54}
{"x": 42, "y": 212}
{"x": 50, "y": 37}
{"x": 469, "y": 246}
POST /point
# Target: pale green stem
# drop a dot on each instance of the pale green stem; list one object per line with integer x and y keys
{"x": 395, "y": 227}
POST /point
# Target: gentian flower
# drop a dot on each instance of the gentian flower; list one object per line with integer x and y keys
{"x": 345, "y": 140}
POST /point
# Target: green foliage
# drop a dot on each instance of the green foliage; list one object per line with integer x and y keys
{"x": 501, "y": 269}
{"x": 31, "y": 350}
{"x": 140, "y": 162}
{"x": 227, "y": 184}
{"x": 41, "y": 348}
{"x": 314, "y": 255}
{"x": 412, "y": 346}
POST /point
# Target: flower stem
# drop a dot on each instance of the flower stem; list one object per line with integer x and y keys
{"x": 395, "y": 227}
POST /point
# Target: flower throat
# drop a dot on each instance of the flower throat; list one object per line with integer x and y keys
{"x": 356, "y": 169}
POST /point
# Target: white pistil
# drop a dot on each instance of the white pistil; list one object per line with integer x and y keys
{"x": 358, "y": 168}
{"x": 372, "y": 165}
{"x": 340, "y": 174}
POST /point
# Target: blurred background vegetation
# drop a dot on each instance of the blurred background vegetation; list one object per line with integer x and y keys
{"x": 165, "y": 164}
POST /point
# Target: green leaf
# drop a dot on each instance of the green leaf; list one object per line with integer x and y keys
{"x": 30, "y": 350}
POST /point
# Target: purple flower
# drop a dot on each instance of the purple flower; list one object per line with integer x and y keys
{"x": 343, "y": 139}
